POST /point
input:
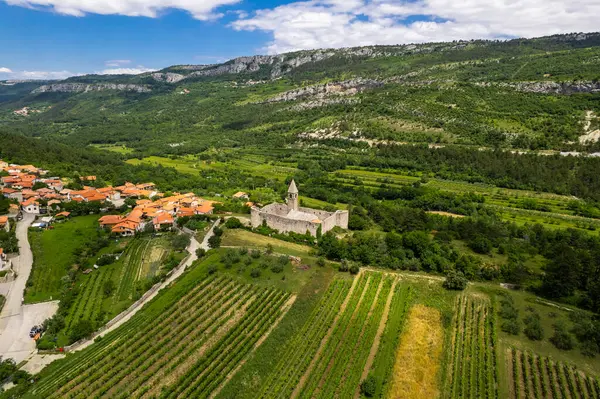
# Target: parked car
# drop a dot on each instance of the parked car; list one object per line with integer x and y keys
{"x": 35, "y": 330}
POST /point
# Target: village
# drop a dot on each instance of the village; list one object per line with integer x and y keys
{"x": 32, "y": 192}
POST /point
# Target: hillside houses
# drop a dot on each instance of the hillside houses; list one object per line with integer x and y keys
{"x": 160, "y": 214}
{"x": 22, "y": 179}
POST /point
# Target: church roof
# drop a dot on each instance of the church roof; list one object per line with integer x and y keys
{"x": 293, "y": 189}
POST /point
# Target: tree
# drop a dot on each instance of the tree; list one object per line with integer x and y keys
{"x": 82, "y": 329}
{"x": 369, "y": 386}
{"x": 180, "y": 242}
{"x": 255, "y": 273}
{"x": 354, "y": 269}
{"x": 455, "y": 281}
{"x": 108, "y": 288}
{"x": 233, "y": 223}
{"x": 481, "y": 245}
{"x": 130, "y": 202}
{"x": 214, "y": 241}
{"x": 200, "y": 252}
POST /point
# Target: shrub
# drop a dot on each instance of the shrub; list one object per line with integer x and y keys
{"x": 344, "y": 266}
{"x": 106, "y": 259}
{"x": 233, "y": 223}
{"x": 277, "y": 268}
{"x": 481, "y": 245}
{"x": 255, "y": 253}
{"x": 354, "y": 269}
{"x": 561, "y": 338}
{"x": 108, "y": 288}
{"x": 321, "y": 261}
{"x": 255, "y": 273}
{"x": 82, "y": 329}
{"x": 214, "y": 241}
{"x": 533, "y": 328}
{"x": 200, "y": 252}
{"x": 511, "y": 326}
{"x": 369, "y": 386}
{"x": 212, "y": 269}
{"x": 455, "y": 281}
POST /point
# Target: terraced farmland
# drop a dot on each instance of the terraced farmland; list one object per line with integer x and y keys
{"x": 187, "y": 344}
{"x": 472, "y": 367}
{"x": 537, "y": 377}
{"x": 336, "y": 348}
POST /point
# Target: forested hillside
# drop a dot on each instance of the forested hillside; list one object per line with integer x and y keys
{"x": 387, "y": 131}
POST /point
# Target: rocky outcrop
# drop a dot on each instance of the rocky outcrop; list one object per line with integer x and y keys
{"x": 344, "y": 88}
{"x": 168, "y": 77}
{"x": 85, "y": 88}
{"x": 323, "y": 103}
{"x": 549, "y": 87}
{"x": 558, "y": 88}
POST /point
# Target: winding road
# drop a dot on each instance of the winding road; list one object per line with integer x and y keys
{"x": 17, "y": 319}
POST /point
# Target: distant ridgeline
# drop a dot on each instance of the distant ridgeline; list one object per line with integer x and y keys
{"x": 455, "y": 99}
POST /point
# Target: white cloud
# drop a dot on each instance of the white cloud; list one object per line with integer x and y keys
{"x": 347, "y": 23}
{"x": 126, "y": 71}
{"x": 199, "y": 9}
{"x": 36, "y": 75}
{"x": 117, "y": 63}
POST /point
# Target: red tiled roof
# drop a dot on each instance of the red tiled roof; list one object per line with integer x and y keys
{"x": 163, "y": 218}
{"x": 110, "y": 220}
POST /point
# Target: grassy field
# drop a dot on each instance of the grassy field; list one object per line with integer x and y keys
{"x": 54, "y": 254}
{"x": 418, "y": 356}
{"x": 244, "y": 238}
{"x": 550, "y": 314}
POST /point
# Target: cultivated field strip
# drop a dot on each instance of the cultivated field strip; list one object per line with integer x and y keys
{"x": 188, "y": 351}
{"x": 131, "y": 265}
{"x": 301, "y": 350}
{"x": 328, "y": 356}
{"x": 473, "y": 371}
{"x": 115, "y": 341}
{"x": 538, "y": 377}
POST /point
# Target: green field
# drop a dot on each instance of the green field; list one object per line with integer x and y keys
{"x": 54, "y": 254}
{"x": 244, "y": 238}
{"x": 140, "y": 261}
{"x": 185, "y": 343}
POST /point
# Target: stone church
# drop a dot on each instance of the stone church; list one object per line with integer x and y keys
{"x": 291, "y": 217}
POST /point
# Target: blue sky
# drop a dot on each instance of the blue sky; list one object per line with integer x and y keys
{"x": 58, "y": 38}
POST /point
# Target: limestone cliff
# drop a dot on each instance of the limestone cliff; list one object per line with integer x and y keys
{"x": 85, "y": 88}
{"x": 331, "y": 89}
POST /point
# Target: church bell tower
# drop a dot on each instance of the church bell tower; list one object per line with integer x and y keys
{"x": 292, "y": 198}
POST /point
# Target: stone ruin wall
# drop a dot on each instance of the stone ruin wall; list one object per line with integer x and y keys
{"x": 283, "y": 224}
{"x": 272, "y": 214}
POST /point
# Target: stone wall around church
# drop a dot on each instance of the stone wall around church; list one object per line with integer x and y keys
{"x": 274, "y": 216}
{"x": 283, "y": 224}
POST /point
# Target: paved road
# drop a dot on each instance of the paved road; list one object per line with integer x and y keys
{"x": 204, "y": 245}
{"x": 16, "y": 319}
